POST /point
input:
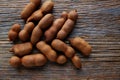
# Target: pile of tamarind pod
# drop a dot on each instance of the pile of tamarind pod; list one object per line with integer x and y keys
{"x": 47, "y": 36}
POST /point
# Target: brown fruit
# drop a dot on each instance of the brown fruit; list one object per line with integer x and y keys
{"x": 76, "y": 61}
{"x": 68, "y": 26}
{"x": 33, "y": 60}
{"x": 73, "y": 15}
{"x": 36, "y": 35}
{"x": 61, "y": 59}
{"x": 47, "y": 51}
{"x": 30, "y": 8}
{"x": 13, "y": 32}
{"x": 44, "y": 23}
{"x": 15, "y": 61}
{"x": 22, "y": 49}
{"x": 25, "y": 34}
{"x": 28, "y": 61}
{"x": 61, "y": 46}
{"x": 81, "y": 45}
{"x": 65, "y": 30}
{"x": 36, "y": 2}
{"x": 46, "y": 7}
{"x": 50, "y": 34}
{"x": 36, "y": 16}
{"x": 40, "y": 60}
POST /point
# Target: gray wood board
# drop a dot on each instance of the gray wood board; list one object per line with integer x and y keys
{"x": 98, "y": 23}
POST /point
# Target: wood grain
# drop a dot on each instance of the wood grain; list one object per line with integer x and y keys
{"x": 98, "y": 23}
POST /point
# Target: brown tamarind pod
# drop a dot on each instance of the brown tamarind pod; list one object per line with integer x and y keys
{"x": 50, "y": 34}
{"x": 13, "y": 32}
{"x": 61, "y": 46}
{"x": 61, "y": 59}
{"x": 36, "y": 16}
{"x": 76, "y": 62}
{"x": 15, "y": 61}
{"x": 46, "y": 7}
{"x": 30, "y": 8}
{"x": 36, "y": 2}
{"x": 36, "y": 35}
{"x": 25, "y": 34}
{"x": 33, "y": 60}
{"x": 22, "y": 49}
{"x": 73, "y": 15}
{"x": 47, "y": 51}
{"x": 81, "y": 45}
{"x": 44, "y": 23}
{"x": 68, "y": 26}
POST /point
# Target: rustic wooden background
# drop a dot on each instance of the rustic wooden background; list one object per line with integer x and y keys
{"x": 98, "y": 23}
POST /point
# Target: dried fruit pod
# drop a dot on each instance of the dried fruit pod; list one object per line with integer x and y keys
{"x": 76, "y": 61}
{"x": 81, "y": 45}
{"x": 36, "y": 16}
{"x": 30, "y": 8}
{"x": 73, "y": 15}
{"x": 33, "y": 60}
{"x": 45, "y": 8}
{"x": 44, "y": 23}
{"x": 22, "y": 49}
{"x": 68, "y": 26}
{"x": 50, "y": 34}
{"x": 66, "y": 29}
{"x": 28, "y": 61}
{"x": 70, "y": 52}
{"x": 36, "y": 2}
{"x": 61, "y": 59}
{"x": 24, "y": 34}
{"x": 15, "y": 61}
{"x": 47, "y": 51}
{"x": 40, "y": 60}
{"x": 36, "y": 35}
{"x": 61, "y": 46}
{"x": 13, "y": 32}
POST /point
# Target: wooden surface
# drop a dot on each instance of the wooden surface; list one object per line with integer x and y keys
{"x": 98, "y": 23}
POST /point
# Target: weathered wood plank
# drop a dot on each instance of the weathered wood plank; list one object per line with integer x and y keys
{"x": 98, "y": 23}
